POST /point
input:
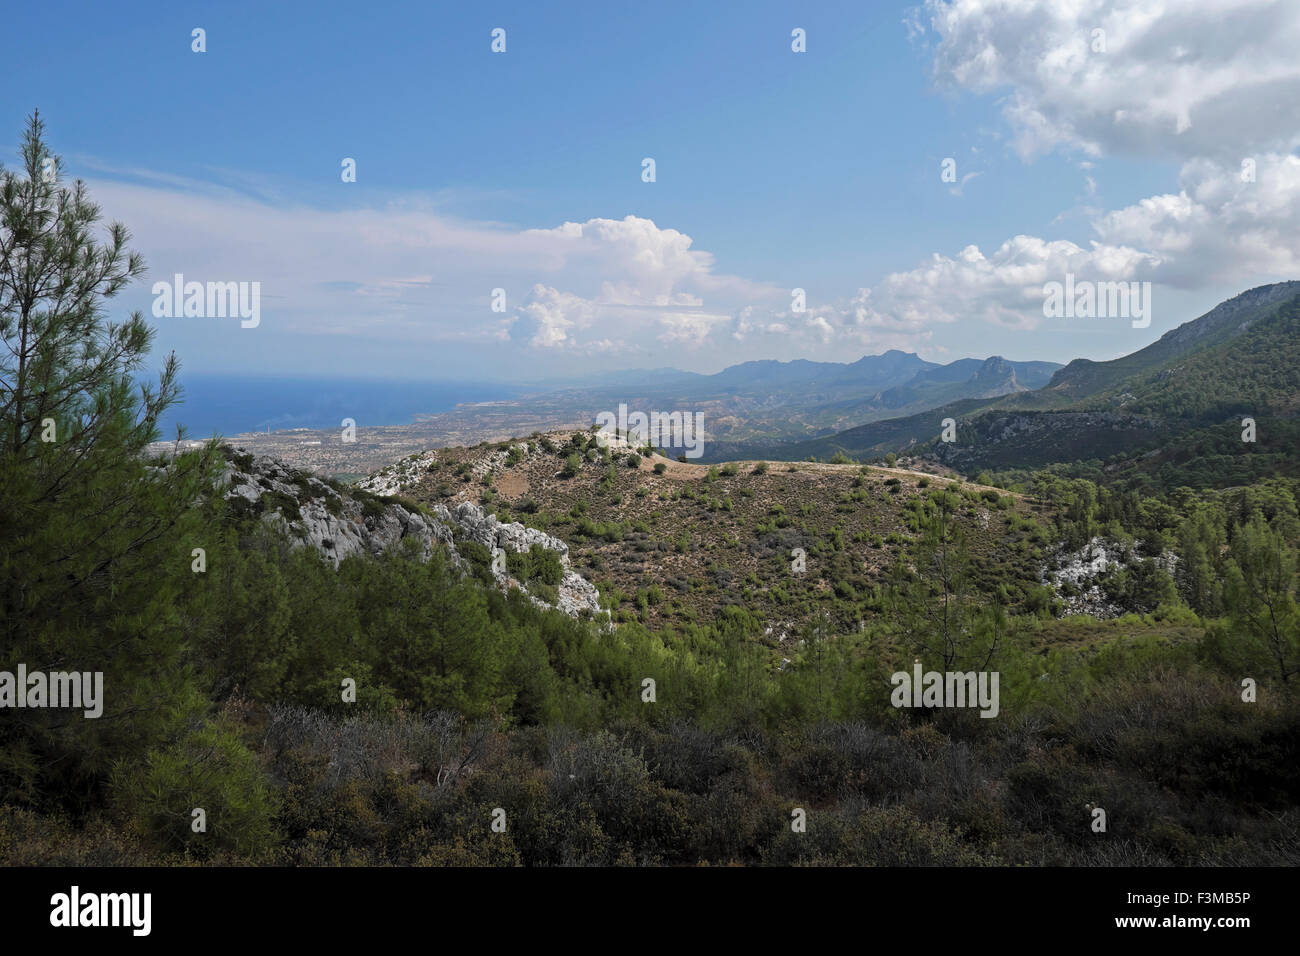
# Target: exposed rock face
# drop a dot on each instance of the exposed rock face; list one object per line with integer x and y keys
{"x": 316, "y": 514}
{"x": 577, "y": 594}
{"x": 1024, "y": 438}
{"x": 392, "y": 479}
{"x": 1079, "y": 574}
{"x": 339, "y": 524}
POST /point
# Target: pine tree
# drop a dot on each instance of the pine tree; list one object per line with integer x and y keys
{"x": 1260, "y": 594}
{"x": 95, "y": 541}
{"x": 937, "y": 611}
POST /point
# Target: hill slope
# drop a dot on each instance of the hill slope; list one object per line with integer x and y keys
{"x": 671, "y": 543}
{"x": 1226, "y": 320}
{"x": 1192, "y": 386}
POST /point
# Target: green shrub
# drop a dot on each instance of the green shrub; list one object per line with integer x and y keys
{"x": 208, "y": 769}
{"x": 546, "y": 566}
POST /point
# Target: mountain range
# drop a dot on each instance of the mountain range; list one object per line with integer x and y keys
{"x": 775, "y": 401}
{"x": 1183, "y": 399}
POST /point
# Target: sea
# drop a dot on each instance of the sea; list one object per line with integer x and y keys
{"x": 228, "y": 405}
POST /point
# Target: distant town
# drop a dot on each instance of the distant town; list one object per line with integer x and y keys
{"x": 325, "y": 452}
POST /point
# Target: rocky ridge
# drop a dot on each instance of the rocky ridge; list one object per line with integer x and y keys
{"x": 340, "y": 522}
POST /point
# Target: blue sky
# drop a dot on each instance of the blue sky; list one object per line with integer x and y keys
{"x": 775, "y": 170}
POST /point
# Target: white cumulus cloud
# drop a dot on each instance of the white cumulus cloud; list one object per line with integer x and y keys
{"x": 1178, "y": 78}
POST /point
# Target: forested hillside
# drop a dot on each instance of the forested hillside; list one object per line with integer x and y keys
{"x": 1168, "y": 415}
{"x": 1083, "y": 377}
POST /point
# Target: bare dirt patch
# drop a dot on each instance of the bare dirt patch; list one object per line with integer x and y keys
{"x": 512, "y": 485}
{"x": 680, "y": 470}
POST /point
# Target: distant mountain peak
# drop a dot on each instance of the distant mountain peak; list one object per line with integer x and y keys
{"x": 1083, "y": 377}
